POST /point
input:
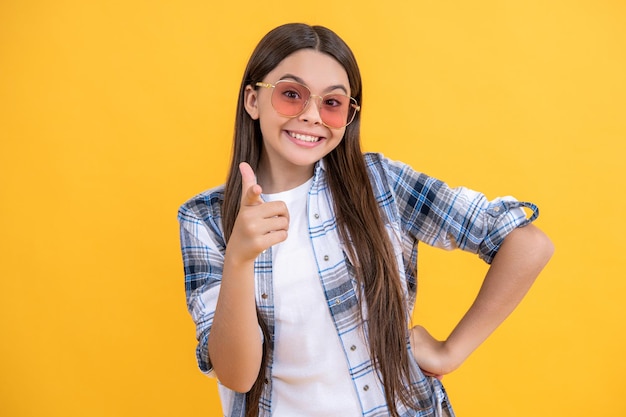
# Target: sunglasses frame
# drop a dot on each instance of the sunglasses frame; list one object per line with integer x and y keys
{"x": 353, "y": 103}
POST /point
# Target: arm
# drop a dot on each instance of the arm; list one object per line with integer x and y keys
{"x": 522, "y": 256}
{"x": 235, "y": 345}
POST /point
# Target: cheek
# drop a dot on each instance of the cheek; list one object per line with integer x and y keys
{"x": 265, "y": 107}
{"x": 267, "y": 114}
{"x": 338, "y": 134}
{"x": 270, "y": 123}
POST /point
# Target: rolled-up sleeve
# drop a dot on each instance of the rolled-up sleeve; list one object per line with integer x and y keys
{"x": 450, "y": 218}
{"x": 202, "y": 247}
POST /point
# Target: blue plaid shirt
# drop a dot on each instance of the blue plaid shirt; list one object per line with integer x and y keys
{"x": 415, "y": 207}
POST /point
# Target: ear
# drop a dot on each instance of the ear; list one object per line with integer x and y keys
{"x": 251, "y": 102}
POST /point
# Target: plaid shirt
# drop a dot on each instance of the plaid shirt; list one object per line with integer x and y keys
{"x": 415, "y": 207}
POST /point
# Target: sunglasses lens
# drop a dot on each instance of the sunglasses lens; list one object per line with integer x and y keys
{"x": 336, "y": 110}
{"x": 290, "y": 98}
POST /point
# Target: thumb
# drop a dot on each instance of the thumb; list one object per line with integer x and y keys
{"x": 250, "y": 190}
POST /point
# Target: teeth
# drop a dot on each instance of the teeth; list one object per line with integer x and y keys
{"x": 305, "y": 138}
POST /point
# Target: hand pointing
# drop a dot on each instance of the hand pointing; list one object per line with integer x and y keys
{"x": 259, "y": 225}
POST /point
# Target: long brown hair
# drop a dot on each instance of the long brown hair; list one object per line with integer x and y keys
{"x": 358, "y": 215}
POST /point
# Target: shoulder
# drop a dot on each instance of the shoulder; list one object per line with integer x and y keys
{"x": 380, "y": 163}
{"x": 408, "y": 188}
{"x": 205, "y": 207}
{"x": 391, "y": 172}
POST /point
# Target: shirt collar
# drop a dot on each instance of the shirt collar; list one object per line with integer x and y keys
{"x": 319, "y": 166}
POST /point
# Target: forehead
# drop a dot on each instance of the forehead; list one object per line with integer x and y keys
{"x": 316, "y": 69}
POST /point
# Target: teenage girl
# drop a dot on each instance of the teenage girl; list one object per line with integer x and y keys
{"x": 300, "y": 271}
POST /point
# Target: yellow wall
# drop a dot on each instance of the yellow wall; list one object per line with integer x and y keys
{"x": 112, "y": 113}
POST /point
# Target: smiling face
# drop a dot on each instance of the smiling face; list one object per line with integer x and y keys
{"x": 292, "y": 145}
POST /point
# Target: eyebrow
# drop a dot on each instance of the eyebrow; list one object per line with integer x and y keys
{"x": 301, "y": 81}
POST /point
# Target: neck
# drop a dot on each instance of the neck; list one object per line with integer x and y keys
{"x": 273, "y": 179}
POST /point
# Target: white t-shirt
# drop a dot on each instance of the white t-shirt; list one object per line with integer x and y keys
{"x": 310, "y": 372}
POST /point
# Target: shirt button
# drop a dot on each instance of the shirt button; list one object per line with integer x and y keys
{"x": 496, "y": 209}
{"x": 317, "y": 216}
{"x": 337, "y": 301}
{"x": 264, "y": 296}
{"x": 326, "y": 257}
{"x": 353, "y": 348}
{"x": 365, "y": 388}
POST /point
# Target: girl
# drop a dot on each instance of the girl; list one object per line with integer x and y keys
{"x": 300, "y": 271}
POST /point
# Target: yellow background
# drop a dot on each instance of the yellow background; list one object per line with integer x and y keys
{"x": 113, "y": 113}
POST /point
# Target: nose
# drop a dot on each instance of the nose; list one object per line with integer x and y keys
{"x": 311, "y": 112}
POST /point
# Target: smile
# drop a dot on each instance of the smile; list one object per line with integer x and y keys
{"x": 304, "y": 138}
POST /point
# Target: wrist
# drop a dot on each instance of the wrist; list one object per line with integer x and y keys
{"x": 236, "y": 263}
{"x": 454, "y": 353}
